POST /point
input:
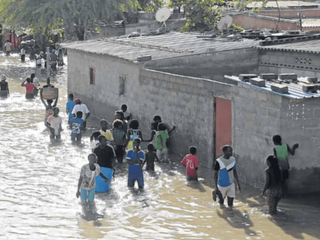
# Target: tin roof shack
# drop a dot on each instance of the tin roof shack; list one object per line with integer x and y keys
{"x": 112, "y": 71}
{"x": 260, "y": 113}
{"x": 298, "y": 55}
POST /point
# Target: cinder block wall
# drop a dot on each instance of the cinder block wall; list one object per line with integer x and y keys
{"x": 303, "y": 64}
{"x": 300, "y": 124}
{"x": 256, "y": 118}
{"x": 210, "y": 65}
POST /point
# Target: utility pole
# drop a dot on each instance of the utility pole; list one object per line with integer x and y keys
{"x": 300, "y": 20}
{"x": 48, "y": 65}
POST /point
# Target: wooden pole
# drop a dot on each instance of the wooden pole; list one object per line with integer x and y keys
{"x": 48, "y": 65}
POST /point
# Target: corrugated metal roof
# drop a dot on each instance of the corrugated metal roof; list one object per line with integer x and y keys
{"x": 283, "y": 4}
{"x": 168, "y": 45}
{"x": 295, "y": 90}
{"x": 310, "y": 46}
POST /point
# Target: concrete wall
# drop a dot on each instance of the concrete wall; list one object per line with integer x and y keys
{"x": 304, "y": 64}
{"x": 256, "y": 118}
{"x": 300, "y": 124}
{"x": 210, "y": 65}
{"x": 291, "y": 13}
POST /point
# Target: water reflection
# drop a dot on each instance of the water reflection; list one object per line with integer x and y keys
{"x": 39, "y": 179}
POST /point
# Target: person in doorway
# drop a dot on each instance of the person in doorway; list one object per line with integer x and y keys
{"x": 69, "y": 107}
{"x": 4, "y": 87}
{"x": 191, "y": 163}
{"x": 105, "y": 153}
{"x": 162, "y": 137}
{"x": 151, "y": 157}
{"x": 273, "y": 184}
{"x": 119, "y": 140}
{"x": 54, "y": 122}
{"x": 48, "y": 105}
{"x": 76, "y": 128}
{"x": 29, "y": 87}
{"x": 226, "y": 168}
{"x": 281, "y": 152}
{"x": 8, "y": 47}
{"x": 87, "y": 182}
{"x": 36, "y": 83}
{"x": 23, "y": 54}
{"x": 85, "y": 112}
{"x": 135, "y": 158}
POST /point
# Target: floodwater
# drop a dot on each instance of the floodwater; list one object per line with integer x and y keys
{"x": 39, "y": 181}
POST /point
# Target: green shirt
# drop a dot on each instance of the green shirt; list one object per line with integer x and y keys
{"x": 282, "y": 155}
{"x": 164, "y": 135}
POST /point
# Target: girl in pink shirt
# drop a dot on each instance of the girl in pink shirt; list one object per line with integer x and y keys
{"x": 29, "y": 86}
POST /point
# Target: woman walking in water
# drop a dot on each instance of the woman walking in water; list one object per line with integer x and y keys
{"x": 272, "y": 186}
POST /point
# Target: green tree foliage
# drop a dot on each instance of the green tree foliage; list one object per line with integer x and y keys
{"x": 150, "y": 5}
{"x": 75, "y": 16}
{"x": 201, "y": 15}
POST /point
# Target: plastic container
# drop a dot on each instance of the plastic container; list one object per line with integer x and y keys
{"x": 49, "y": 93}
{"x": 101, "y": 185}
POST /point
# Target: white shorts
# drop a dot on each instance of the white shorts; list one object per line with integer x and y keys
{"x": 162, "y": 154}
{"x": 229, "y": 191}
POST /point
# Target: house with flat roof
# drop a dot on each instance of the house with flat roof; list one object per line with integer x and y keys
{"x": 187, "y": 79}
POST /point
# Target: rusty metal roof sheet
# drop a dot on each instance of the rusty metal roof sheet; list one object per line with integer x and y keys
{"x": 295, "y": 90}
{"x": 168, "y": 45}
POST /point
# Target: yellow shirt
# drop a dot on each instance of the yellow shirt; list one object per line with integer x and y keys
{"x": 107, "y": 134}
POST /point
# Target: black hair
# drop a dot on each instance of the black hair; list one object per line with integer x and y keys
{"x": 49, "y": 101}
{"x": 134, "y": 124}
{"x": 32, "y": 75}
{"x": 150, "y": 147}
{"x": 101, "y": 137}
{"x": 124, "y": 107}
{"x": 226, "y": 147}
{"x": 103, "y": 120}
{"x": 277, "y": 139}
{"x": 138, "y": 140}
{"x": 274, "y": 165}
{"x": 28, "y": 80}
{"x": 79, "y": 114}
{"x": 56, "y": 108}
{"x": 71, "y": 96}
{"x": 157, "y": 118}
{"x": 92, "y": 154}
{"x": 120, "y": 113}
{"x": 162, "y": 127}
{"x": 117, "y": 124}
{"x": 193, "y": 150}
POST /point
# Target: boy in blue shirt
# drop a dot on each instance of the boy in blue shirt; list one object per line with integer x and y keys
{"x": 135, "y": 158}
{"x": 69, "y": 107}
{"x": 76, "y": 124}
{"x": 225, "y": 186}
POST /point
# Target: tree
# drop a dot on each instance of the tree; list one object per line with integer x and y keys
{"x": 150, "y": 5}
{"x": 201, "y": 15}
{"x": 74, "y": 16}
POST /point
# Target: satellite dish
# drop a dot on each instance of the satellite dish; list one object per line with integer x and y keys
{"x": 163, "y": 14}
{"x": 225, "y": 22}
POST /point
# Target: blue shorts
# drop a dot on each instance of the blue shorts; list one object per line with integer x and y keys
{"x": 135, "y": 175}
{"x": 87, "y": 194}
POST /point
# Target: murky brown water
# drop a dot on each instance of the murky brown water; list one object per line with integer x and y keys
{"x": 39, "y": 180}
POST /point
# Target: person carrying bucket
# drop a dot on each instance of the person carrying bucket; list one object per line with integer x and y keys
{"x": 4, "y": 88}
{"x": 87, "y": 182}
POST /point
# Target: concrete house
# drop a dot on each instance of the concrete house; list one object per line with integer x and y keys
{"x": 191, "y": 81}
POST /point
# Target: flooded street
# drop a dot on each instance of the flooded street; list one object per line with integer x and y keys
{"x": 39, "y": 182}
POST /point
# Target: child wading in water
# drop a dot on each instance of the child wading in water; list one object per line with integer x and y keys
{"x": 151, "y": 156}
{"x": 281, "y": 152}
{"x": 29, "y": 87}
{"x": 87, "y": 182}
{"x": 133, "y": 133}
{"x": 191, "y": 163}
{"x": 54, "y": 122}
{"x": 135, "y": 158}
{"x": 76, "y": 124}
{"x": 161, "y": 142}
{"x": 273, "y": 184}
{"x": 119, "y": 140}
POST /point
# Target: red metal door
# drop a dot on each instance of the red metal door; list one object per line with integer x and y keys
{"x": 223, "y": 124}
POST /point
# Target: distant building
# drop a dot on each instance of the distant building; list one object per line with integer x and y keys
{"x": 192, "y": 80}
